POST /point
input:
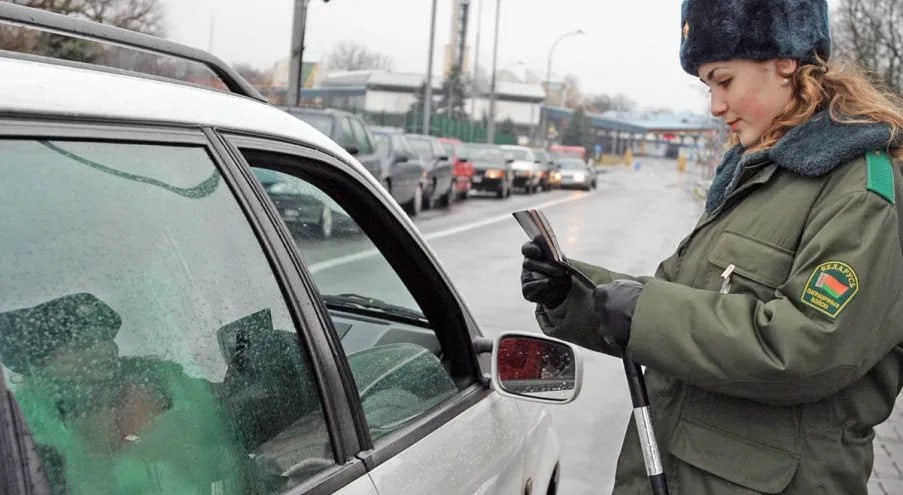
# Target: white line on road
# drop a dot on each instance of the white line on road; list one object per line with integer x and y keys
{"x": 351, "y": 258}
{"x": 496, "y": 219}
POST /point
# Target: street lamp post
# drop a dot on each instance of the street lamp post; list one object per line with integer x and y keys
{"x": 543, "y": 116}
{"x": 297, "y": 52}
{"x": 490, "y": 131}
{"x": 428, "y": 92}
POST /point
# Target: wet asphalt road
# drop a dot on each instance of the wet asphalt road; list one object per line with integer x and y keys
{"x": 633, "y": 220}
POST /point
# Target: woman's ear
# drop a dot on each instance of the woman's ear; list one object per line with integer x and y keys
{"x": 785, "y": 67}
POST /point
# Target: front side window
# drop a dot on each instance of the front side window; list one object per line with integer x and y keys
{"x": 392, "y": 348}
{"x": 361, "y": 137}
{"x": 142, "y": 332}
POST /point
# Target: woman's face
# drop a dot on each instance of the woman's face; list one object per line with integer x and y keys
{"x": 749, "y": 95}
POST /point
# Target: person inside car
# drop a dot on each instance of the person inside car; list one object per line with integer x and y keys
{"x": 104, "y": 423}
{"x": 771, "y": 337}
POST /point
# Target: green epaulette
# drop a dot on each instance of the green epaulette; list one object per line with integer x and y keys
{"x": 880, "y": 175}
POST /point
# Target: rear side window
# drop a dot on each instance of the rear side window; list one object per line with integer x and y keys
{"x": 142, "y": 332}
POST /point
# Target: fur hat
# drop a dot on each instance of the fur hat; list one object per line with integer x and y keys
{"x": 29, "y": 336}
{"x": 718, "y": 30}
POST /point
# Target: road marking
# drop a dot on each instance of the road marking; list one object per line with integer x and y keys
{"x": 497, "y": 218}
{"x": 351, "y": 258}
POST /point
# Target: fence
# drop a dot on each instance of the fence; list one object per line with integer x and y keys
{"x": 440, "y": 125}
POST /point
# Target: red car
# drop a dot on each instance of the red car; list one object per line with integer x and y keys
{"x": 463, "y": 166}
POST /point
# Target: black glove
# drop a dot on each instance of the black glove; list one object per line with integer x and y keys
{"x": 615, "y": 304}
{"x": 542, "y": 281}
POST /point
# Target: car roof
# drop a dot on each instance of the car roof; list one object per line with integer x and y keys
{"x": 42, "y": 87}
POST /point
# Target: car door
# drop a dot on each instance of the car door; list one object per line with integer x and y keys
{"x": 155, "y": 337}
{"x": 429, "y": 424}
{"x": 412, "y": 172}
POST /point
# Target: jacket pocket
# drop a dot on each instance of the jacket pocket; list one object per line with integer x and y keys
{"x": 726, "y": 464}
{"x": 766, "y": 265}
{"x": 748, "y": 443}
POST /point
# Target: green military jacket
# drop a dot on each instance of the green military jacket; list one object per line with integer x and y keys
{"x": 771, "y": 378}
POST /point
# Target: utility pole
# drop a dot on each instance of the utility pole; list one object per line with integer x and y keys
{"x": 476, "y": 63}
{"x": 299, "y": 21}
{"x": 428, "y": 96}
{"x": 490, "y": 132}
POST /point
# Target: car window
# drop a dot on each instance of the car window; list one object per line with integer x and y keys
{"x": 361, "y": 137}
{"x": 403, "y": 145}
{"x": 392, "y": 348}
{"x": 421, "y": 146}
{"x": 142, "y": 331}
{"x": 438, "y": 150}
{"x": 382, "y": 144}
{"x": 322, "y": 123}
{"x": 346, "y": 135}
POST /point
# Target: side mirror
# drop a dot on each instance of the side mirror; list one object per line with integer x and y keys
{"x": 443, "y": 158}
{"x": 536, "y": 368}
{"x": 400, "y": 159}
{"x": 354, "y": 150}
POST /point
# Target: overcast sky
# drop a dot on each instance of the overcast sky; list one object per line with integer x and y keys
{"x": 631, "y": 47}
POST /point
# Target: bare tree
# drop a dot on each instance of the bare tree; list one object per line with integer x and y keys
{"x": 602, "y": 103}
{"x": 571, "y": 96}
{"x": 348, "y": 55}
{"x": 145, "y": 16}
{"x": 870, "y": 34}
{"x": 259, "y": 78}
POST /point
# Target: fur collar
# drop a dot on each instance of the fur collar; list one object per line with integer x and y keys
{"x": 812, "y": 149}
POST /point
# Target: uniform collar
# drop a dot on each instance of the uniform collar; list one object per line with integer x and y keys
{"x": 812, "y": 149}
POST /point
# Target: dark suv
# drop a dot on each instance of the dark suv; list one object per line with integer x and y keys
{"x": 347, "y": 129}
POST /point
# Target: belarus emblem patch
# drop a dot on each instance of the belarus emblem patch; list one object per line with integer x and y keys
{"x": 831, "y": 286}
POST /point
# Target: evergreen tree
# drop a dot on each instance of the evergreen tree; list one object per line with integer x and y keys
{"x": 455, "y": 86}
{"x": 577, "y": 131}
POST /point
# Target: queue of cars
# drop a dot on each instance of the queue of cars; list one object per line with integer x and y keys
{"x": 171, "y": 324}
{"x": 424, "y": 172}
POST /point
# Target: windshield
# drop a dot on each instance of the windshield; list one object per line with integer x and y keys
{"x": 322, "y": 123}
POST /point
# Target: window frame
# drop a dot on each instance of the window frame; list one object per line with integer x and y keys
{"x": 343, "y": 181}
{"x": 335, "y": 402}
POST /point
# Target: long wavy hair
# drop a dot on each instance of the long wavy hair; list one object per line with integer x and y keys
{"x": 845, "y": 92}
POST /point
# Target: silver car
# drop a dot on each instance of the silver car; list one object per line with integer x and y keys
{"x": 162, "y": 331}
{"x": 576, "y": 173}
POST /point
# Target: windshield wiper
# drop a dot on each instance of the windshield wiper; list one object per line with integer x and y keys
{"x": 357, "y": 301}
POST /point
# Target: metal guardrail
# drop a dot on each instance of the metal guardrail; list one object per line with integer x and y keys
{"x": 81, "y": 28}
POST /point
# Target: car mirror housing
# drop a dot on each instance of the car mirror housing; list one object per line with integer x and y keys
{"x": 400, "y": 159}
{"x": 443, "y": 158}
{"x": 536, "y": 368}
{"x": 352, "y": 149}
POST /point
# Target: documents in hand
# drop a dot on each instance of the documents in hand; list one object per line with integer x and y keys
{"x": 538, "y": 229}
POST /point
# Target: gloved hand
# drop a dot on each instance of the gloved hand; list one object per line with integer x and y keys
{"x": 542, "y": 281}
{"x": 615, "y": 304}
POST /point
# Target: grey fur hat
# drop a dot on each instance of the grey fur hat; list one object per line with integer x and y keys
{"x": 717, "y": 30}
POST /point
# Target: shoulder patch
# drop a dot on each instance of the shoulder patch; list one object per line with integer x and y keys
{"x": 880, "y": 175}
{"x": 830, "y": 287}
